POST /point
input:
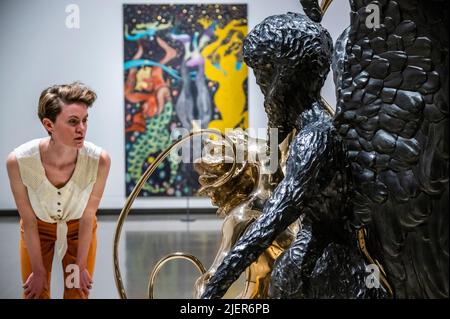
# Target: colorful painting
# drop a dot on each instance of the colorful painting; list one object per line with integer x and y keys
{"x": 183, "y": 68}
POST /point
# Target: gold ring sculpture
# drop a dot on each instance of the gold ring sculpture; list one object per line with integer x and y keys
{"x": 148, "y": 172}
{"x": 162, "y": 261}
{"x": 325, "y": 5}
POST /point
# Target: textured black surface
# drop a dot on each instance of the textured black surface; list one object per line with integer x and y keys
{"x": 393, "y": 115}
{"x": 290, "y": 56}
{"x": 382, "y": 163}
{"x": 312, "y": 9}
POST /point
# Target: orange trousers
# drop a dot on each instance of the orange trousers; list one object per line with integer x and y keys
{"x": 47, "y": 235}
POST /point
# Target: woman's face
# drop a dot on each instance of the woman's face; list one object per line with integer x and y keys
{"x": 70, "y": 125}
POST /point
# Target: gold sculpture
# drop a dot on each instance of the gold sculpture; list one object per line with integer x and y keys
{"x": 240, "y": 201}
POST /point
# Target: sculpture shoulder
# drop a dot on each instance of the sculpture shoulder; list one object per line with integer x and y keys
{"x": 317, "y": 137}
{"x": 316, "y": 147}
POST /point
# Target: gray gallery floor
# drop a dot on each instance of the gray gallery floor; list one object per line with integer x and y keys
{"x": 145, "y": 239}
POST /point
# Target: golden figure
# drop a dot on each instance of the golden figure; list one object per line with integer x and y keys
{"x": 240, "y": 201}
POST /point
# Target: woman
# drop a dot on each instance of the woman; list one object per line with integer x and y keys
{"x": 57, "y": 183}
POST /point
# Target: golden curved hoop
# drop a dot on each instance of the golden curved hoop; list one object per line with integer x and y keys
{"x": 325, "y": 5}
{"x": 148, "y": 172}
{"x": 328, "y": 107}
{"x": 162, "y": 261}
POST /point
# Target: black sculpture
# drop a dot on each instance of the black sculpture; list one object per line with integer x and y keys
{"x": 290, "y": 71}
{"x": 380, "y": 165}
{"x": 392, "y": 112}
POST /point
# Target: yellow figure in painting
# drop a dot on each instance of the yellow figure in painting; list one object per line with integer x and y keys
{"x": 224, "y": 65}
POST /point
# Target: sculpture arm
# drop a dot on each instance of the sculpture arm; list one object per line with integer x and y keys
{"x": 308, "y": 152}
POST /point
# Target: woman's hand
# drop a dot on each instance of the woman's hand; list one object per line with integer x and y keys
{"x": 85, "y": 281}
{"x": 35, "y": 285}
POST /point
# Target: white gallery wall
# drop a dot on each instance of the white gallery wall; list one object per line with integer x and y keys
{"x": 38, "y": 50}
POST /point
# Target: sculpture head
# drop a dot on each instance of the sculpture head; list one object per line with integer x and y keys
{"x": 290, "y": 56}
{"x": 215, "y": 164}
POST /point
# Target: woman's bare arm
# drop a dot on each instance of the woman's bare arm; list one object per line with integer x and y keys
{"x": 87, "y": 221}
{"x": 38, "y": 279}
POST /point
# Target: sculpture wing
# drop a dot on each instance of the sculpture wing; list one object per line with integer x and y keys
{"x": 393, "y": 114}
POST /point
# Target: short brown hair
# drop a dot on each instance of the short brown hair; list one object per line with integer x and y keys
{"x": 54, "y": 97}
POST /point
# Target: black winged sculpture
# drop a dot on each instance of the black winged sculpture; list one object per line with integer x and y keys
{"x": 379, "y": 167}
